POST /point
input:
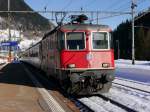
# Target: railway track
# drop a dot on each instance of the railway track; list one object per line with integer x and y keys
{"x": 82, "y": 107}
{"x": 129, "y": 99}
{"x": 145, "y": 88}
{"x": 132, "y": 81}
{"x": 107, "y": 106}
{"x": 126, "y": 108}
{"x": 131, "y": 87}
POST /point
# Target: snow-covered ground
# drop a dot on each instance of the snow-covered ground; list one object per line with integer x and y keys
{"x": 137, "y": 101}
{"x": 97, "y": 104}
{"x": 121, "y": 63}
{"x": 139, "y": 72}
{"x": 132, "y": 84}
{"x": 134, "y": 99}
{"x": 26, "y": 43}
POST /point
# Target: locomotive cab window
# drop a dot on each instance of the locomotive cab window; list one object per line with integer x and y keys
{"x": 100, "y": 40}
{"x": 75, "y": 40}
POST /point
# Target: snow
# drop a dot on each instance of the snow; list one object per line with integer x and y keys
{"x": 121, "y": 63}
{"x": 26, "y": 43}
{"x": 132, "y": 99}
{"x": 139, "y": 72}
{"x": 4, "y": 34}
{"x": 134, "y": 84}
{"x": 99, "y": 105}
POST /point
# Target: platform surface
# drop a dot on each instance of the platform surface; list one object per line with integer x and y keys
{"x": 17, "y": 92}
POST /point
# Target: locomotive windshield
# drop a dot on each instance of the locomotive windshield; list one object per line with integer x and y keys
{"x": 100, "y": 40}
{"x": 75, "y": 40}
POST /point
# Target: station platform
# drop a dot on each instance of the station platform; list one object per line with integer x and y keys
{"x": 17, "y": 92}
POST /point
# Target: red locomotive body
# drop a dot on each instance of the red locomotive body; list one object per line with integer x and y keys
{"x": 80, "y": 56}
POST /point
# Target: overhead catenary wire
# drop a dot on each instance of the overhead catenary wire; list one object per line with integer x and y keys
{"x": 123, "y": 6}
{"x": 143, "y": 14}
{"x": 107, "y": 17}
{"x": 59, "y": 13}
{"x": 49, "y": 11}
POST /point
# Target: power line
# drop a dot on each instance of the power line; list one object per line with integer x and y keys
{"x": 61, "y": 14}
{"x": 107, "y": 17}
{"x": 143, "y": 14}
{"x": 49, "y": 11}
{"x": 124, "y": 5}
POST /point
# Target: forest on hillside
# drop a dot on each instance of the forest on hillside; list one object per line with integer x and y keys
{"x": 123, "y": 34}
{"x": 29, "y": 21}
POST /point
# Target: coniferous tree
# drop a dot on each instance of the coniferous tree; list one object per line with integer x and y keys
{"x": 139, "y": 44}
{"x": 147, "y": 46}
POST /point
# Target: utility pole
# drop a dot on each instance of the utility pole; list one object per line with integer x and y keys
{"x": 9, "y": 32}
{"x": 133, "y": 5}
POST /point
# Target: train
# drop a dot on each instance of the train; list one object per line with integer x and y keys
{"x": 78, "y": 55}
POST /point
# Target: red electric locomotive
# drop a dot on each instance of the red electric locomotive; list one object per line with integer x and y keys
{"x": 79, "y": 55}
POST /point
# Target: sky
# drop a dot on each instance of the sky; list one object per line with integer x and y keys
{"x": 92, "y": 5}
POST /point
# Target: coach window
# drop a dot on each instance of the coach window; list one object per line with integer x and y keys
{"x": 75, "y": 40}
{"x": 100, "y": 40}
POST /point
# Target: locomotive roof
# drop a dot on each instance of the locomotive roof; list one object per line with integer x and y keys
{"x": 78, "y": 27}
{"x": 84, "y": 27}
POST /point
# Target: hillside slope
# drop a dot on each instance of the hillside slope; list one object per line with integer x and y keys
{"x": 27, "y": 20}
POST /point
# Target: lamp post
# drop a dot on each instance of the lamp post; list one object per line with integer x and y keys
{"x": 9, "y": 32}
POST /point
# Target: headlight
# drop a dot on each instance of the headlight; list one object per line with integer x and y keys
{"x": 71, "y": 66}
{"x": 105, "y": 65}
